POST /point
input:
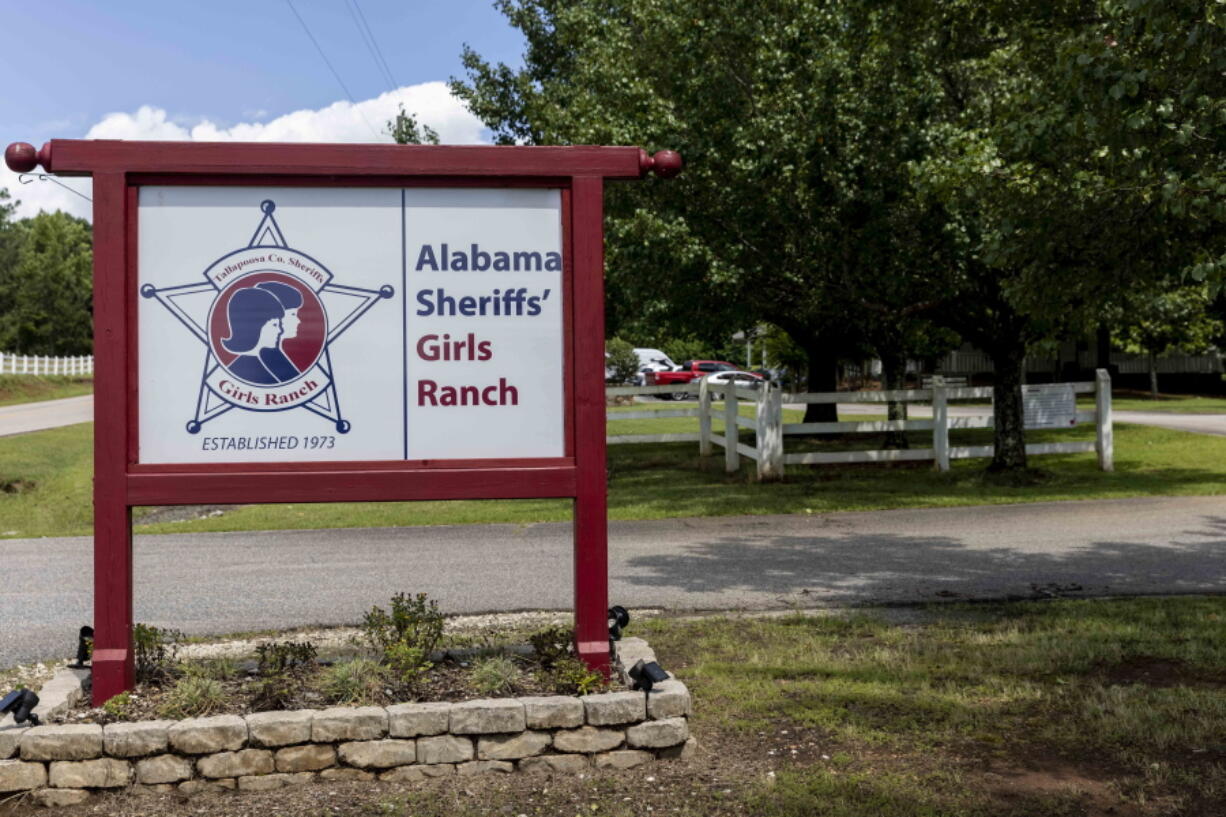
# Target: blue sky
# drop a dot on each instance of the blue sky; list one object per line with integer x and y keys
{"x": 223, "y": 69}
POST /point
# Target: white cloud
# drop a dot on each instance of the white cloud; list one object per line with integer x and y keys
{"x": 366, "y": 121}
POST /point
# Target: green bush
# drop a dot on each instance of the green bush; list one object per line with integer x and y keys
{"x": 282, "y": 669}
{"x": 360, "y": 681}
{"x": 570, "y": 676}
{"x": 117, "y": 707}
{"x": 156, "y": 650}
{"x": 404, "y": 639}
{"x": 552, "y": 644}
{"x": 192, "y": 696}
{"x": 495, "y": 674}
{"x": 621, "y": 363}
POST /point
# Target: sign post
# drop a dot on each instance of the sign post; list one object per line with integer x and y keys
{"x": 325, "y": 323}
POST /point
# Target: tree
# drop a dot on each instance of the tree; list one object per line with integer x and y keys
{"x": 797, "y": 120}
{"x": 621, "y": 363}
{"x": 406, "y": 130}
{"x": 47, "y": 293}
{"x": 1169, "y": 320}
{"x": 1066, "y": 161}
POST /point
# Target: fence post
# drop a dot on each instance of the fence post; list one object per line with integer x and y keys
{"x": 704, "y": 418}
{"x": 1104, "y": 441}
{"x": 768, "y": 438}
{"x": 940, "y": 422}
{"x": 732, "y": 457}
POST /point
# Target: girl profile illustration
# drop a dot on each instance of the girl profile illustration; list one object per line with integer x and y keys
{"x": 260, "y": 317}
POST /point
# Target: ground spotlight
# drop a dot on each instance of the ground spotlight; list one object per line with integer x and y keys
{"x": 85, "y": 646}
{"x": 21, "y": 703}
{"x": 646, "y": 674}
{"x": 619, "y": 617}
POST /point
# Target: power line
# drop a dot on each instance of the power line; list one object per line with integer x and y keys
{"x": 387, "y": 68}
{"x": 370, "y": 46}
{"x": 328, "y": 63}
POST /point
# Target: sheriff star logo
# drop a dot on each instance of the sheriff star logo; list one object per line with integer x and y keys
{"x": 267, "y": 316}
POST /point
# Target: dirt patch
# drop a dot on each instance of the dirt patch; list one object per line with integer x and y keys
{"x": 1159, "y": 672}
{"x": 182, "y": 513}
{"x": 17, "y": 486}
{"x": 1094, "y": 794}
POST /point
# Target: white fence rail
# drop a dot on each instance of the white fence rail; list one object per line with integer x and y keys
{"x": 42, "y": 364}
{"x": 768, "y": 454}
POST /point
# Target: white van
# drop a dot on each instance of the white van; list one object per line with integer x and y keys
{"x": 652, "y": 360}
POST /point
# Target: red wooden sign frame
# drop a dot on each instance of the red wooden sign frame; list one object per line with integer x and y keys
{"x": 120, "y": 168}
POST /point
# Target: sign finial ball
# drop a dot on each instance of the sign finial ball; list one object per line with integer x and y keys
{"x": 21, "y": 157}
{"x": 666, "y": 163}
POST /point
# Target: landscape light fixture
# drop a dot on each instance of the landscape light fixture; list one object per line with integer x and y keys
{"x": 85, "y": 646}
{"x": 646, "y": 674}
{"x": 21, "y": 703}
{"x": 619, "y": 617}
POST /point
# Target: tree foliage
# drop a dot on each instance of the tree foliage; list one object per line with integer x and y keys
{"x": 46, "y": 291}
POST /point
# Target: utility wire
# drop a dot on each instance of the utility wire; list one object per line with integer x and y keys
{"x": 28, "y": 178}
{"x": 370, "y": 47}
{"x": 387, "y": 68}
{"x": 328, "y": 63}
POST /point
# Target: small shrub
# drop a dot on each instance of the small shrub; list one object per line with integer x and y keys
{"x": 117, "y": 707}
{"x": 278, "y": 658}
{"x": 495, "y": 674}
{"x": 552, "y": 644}
{"x": 413, "y": 621}
{"x": 156, "y": 649}
{"x": 570, "y": 676}
{"x": 192, "y": 696}
{"x": 282, "y": 667}
{"x": 360, "y": 681}
{"x": 404, "y": 639}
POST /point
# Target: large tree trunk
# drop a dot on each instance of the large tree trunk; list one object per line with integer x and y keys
{"x": 894, "y": 372}
{"x": 1102, "y": 339}
{"x": 823, "y": 377}
{"x": 1153, "y": 375}
{"x": 1010, "y": 436}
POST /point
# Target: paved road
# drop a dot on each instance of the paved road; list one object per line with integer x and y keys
{"x": 211, "y": 583}
{"x": 46, "y": 414}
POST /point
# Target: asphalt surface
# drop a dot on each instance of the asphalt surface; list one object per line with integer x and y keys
{"x": 54, "y": 413}
{"x": 229, "y": 582}
{"x": 25, "y": 417}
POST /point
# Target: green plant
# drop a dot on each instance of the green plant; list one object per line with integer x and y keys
{"x": 282, "y": 668}
{"x": 156, "y": 649}
{"x": 621, "y": 362}
{"x": 219, "y": 669}
{"x": 358, "y": 681}
{"x": 570, "y": 676}
{"x": 191, "y": 696}
{"x": 495, "y": 674}
{"x": 414, "y": 621}
{"x": 552, "y": 644}
{"x": 404, "y": 639}
{"x": 117, "y": 707}
{"x": 276, "y": 658}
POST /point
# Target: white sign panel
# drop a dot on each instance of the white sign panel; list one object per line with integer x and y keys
{"x": 1049, "y": 405}
{"x": 341, "y": 324}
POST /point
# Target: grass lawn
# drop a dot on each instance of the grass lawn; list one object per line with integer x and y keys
{"x": 1178, "y": 403}
{"x": 1027, "y": 709}
{"x": 28, "y": 388}
{"x": 45, "y": 478}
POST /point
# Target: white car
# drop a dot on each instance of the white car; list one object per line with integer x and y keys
{"x": 652, "y": 360}
{"x": 747, "y": 380}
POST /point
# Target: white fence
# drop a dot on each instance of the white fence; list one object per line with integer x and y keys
{"x": 770, "y": 430}
{"x": 41, "y": 364}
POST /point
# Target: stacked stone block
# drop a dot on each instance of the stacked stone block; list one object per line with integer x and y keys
{"x": 404, "y": 742}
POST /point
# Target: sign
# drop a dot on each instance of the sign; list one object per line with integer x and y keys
{"x": 344, "y": 323}
{"x": 315, "y": 324}
{"x": 1049, "y": 405}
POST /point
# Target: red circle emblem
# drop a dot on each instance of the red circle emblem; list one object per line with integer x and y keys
{"x": 267, "y": 335}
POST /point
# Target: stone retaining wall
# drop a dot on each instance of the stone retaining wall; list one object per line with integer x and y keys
{"x": 404, "y": 742}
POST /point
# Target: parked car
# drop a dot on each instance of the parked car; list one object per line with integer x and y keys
{"x": 748, "y": 380}
{"x": 687, "y": 372}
